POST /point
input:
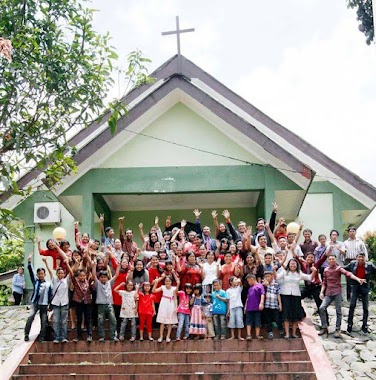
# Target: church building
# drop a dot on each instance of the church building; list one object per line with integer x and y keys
{"x": 190, "y": 142}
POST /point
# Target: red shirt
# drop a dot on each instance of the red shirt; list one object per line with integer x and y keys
{"x": 145, "y": 303}
{"x": 153, "y": 274}
{"x": 117, "y": 300}
{"x": 190, "y": 274}
{"x": 361, "y": 271}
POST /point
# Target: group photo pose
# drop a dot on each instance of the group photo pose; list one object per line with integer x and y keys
{"x": 193, "y": 281}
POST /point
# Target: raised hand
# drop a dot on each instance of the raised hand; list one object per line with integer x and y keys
{"x": 140, "y": 226}
{"x": 183, "y": 223}
{"x": 121, "y": 219}
{"x": 275, "y": 206}
{"x": 249, "y": 230}
{"x": 101, "y": 217}
{"x": 44, "y": 258}
{"x": 29, "y": 258}
{"x": 214, "y": 214}
{"x": 226, "y": 214}
{"x": 197, "y": 213}
{"x": 76, "y": 223}
{"x": 156, "y": 221}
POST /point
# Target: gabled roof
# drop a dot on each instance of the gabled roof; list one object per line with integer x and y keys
{"x": 296, "y": 155}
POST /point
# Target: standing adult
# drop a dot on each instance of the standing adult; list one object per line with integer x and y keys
{"x": 18, "y": 285}
{"x": 331, "y": 285}
{"x": 363, "y": 270}
{"x": 261, "y": 229}
{"x": 353, "y": 246}
{"x": 308, "y": 244}
{"x": 129, "y": 246}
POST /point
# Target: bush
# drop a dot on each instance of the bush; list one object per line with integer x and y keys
{"x": 5, "y": 292}
{"x": 11, "y": 254}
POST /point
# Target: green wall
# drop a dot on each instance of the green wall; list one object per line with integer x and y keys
{"x": 133, "y": 218}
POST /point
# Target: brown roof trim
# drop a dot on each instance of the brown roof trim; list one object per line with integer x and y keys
{"x": 193, "y": 71}
{"x": 210, "y": 103}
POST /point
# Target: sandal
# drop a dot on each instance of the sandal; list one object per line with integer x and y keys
{"x": 260, "y": 337}
{"x": 168, "y": 340}
{"x": 151, "y": 339}
{"x": 160, "y": 340}
{"x": 249, "y": 337}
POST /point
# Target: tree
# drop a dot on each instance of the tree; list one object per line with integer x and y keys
{"x": 365, "y": 17}
{"x": 55, "y": 84}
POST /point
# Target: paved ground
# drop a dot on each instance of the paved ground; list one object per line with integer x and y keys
{"x": 352, "y": 357}
{"x": 12, "y": 323}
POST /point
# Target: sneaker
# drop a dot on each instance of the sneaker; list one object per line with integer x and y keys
{"x": 101, "y": 340}
{"x": 132, "y": 339}
{"x": 270, "y": 335}
{"x": 349, "y": 329}
{"x": 364, "y": 331}
{"x": 55, "y": 341}
{"x": 89, "y": 338}
{"x": 160, "y": 340}
{"x": 121, "y": 338}
{"x": 27, "y": 338}
{"x": 64, "y": 341}
{"x": 115, "y": 339}
{"x": 323, "y": 331}
{"x": 337, "y": 334}
{"x": 248, "y": 337}
{"x": 75, "y": 340}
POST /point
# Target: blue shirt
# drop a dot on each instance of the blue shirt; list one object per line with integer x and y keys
{"x": 219, "y": 306}
{"x": 18, "y": 282}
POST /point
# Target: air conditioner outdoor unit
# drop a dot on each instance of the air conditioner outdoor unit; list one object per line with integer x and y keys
{"x": 47, "y": 212}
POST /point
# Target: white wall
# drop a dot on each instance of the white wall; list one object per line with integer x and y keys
{"x": 183, "y": 126}
{"x": 317, "y": 214}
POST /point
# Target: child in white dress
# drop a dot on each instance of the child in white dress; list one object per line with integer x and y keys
{"x": 167, "y": 308}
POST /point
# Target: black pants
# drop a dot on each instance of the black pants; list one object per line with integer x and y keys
{"x": 43, "y": 318}
{"x": 17, "y": 298}
{"x": 363, "y": 291}
{"x": 271, "y": 315}
{"x": 348, "y": 283}
{"x": 83, "y": 308}
{"x": 117, "y": 309}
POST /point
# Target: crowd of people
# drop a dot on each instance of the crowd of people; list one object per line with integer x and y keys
{"x": 205, "y": 285}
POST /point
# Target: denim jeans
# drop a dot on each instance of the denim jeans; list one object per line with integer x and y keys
{"x": 183, "y": 321}
{"x": 60, "y": 317}
{"x": 220, "y": 325}
{"x": 356, "y": 291}
{"x": 124, "y": 326}
{"x": 106, "y": 311}
{"x": 338, "y": 304}
{"x": 43, "y": 319}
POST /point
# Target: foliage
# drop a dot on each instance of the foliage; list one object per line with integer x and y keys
{"x": 365, "y": 17}
{"x": 55, "y": 85}
{"x": 11, "y": 254}
{"x": 5, "y": 292}
{"x": 370, "y": 240}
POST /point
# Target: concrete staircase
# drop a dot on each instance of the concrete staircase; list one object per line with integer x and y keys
{"x": 186, "y": 360}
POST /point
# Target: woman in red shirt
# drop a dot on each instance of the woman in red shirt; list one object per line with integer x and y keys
{"x": 228, "y": 269}
{"x": 190, "y": 272}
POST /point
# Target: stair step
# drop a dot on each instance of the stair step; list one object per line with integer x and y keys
{"x": 187, "y": 345}
{"x": 176, "y": 368}
{"x": 183, "y": 376}
{"x": 168, "y": 357}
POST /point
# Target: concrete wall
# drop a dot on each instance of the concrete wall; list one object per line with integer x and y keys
{"x": 183, "y": 126}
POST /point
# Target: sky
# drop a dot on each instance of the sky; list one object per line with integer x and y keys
{"x": 303, "y": 63}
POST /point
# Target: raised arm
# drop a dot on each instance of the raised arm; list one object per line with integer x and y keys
{"x": 101, "y": 222}
{"x": 156, "y": 282}
{"x": 116, "y": 290}
{"x": 235, "y": 235}
{"x": 270, "y": 233}
{"x": 297, "y": 236}
{"x": 94, "y": 271}
{"x": 77, "y": 234}
{"x": 44, "y": 259}
{"x": 121, "y": 228}
{"x": 140, "y": 228}
{"x": 216, "y": 224}
{"x": 197, "y": 214}
{"x": 273, "y": 216}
